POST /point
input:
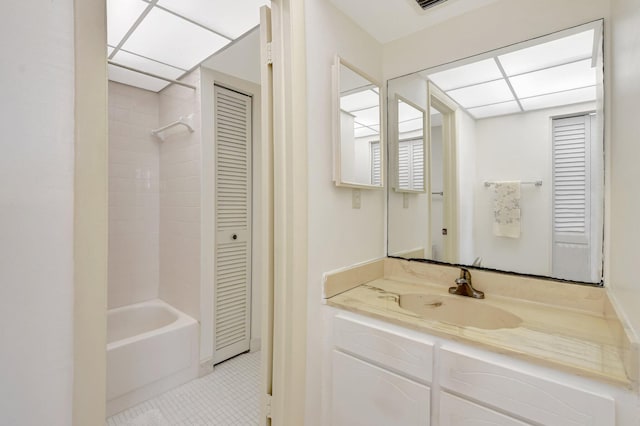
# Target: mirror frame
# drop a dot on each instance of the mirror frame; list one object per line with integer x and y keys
{"x": 335, "y": 106}
{"x": 394, "y": 146}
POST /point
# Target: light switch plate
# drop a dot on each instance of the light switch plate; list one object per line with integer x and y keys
{"x": 355, "y": 198}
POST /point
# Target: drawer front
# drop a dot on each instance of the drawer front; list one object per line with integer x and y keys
{"x": 366, "y": 395}
{"x": 392, "y": 350}
{"x": 456, "y": 411}
{"x": 534, "y": 398}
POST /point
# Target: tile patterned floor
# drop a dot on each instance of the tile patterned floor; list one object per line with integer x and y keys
{"x": 229, "y": 396}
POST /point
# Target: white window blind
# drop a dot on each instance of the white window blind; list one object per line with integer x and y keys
{"x": 411, "y": 164}
{"x": 571, "y": 175}
{"x": 376, "y": 172}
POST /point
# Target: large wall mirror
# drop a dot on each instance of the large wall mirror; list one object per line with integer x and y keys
{"x": 358, "y": 142}
{"x": 513, "y": 164}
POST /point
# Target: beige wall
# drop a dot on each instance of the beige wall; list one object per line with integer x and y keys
{"x": 337, "y": 234}
{"x": 496, "y": 25}
{"x": 36, "y": 212}
{"x": 180, "y": 173}
{"x": 624, "y": 149}
{"x": 134, "y": 195}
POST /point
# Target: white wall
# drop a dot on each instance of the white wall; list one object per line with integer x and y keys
{"x": 180, "y": 171}
{"x": 337, "y": 234}
{"x": 134, "y": 195}
{"x": 466, "y": 169}
{"x": 36, "y": 212}
{"x": 517, "y": 147}
{"x": 624, "y": 150}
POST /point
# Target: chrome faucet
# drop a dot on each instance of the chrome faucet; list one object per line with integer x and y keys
{"x": 463, "y": 286}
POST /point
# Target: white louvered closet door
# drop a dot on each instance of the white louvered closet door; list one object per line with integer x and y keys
{"x": 233, "y": 223}
{"x": 572, "y": 198}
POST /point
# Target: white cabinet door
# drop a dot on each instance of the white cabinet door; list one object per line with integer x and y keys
{"x": 366, "y": 395}
{"x": 456, "y": 411}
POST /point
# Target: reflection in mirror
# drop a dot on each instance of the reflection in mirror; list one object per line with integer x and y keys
{"x": 358, "y": 142}
{"x": 410, "y": 146}
{"x": 516, "y": 182}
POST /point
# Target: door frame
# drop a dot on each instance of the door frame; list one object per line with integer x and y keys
{"x": 450, "y": 215}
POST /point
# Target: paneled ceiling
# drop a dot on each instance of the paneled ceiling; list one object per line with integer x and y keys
{"x": 168, "y": 38}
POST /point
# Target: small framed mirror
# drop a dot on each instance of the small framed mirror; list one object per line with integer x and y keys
{"x": 358, "y": 143}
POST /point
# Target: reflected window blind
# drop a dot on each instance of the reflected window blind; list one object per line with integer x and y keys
{"x": 376, "y": 172}
{"x": 411, "y": 164}
{"x": 571, "y": 174}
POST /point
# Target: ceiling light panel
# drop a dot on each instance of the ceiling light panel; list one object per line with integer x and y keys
{"x": 466, "y": 75}
{"x": 368, "y": 117}
{"x": 587, "y": 94}
{"x": 136, "y": 79}
{"x": 556, "y": 79}
{"x": 144, "y": 64}
{"x": 556, "y": 52}
{"x": 495, "y": 110}
{"x": 231, "y": 18}
{"x": 121, "y": 15}
{"x": 410, "y": 125}
{"x": 359, "y": 100}
{"x": 173, "y": 40}
{"x": 362, "y": 132}
{"x": 407, "y": 112}
{"x": 482, "y": 94}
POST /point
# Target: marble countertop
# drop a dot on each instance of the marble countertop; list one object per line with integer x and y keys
{"x": 586, "y": 342}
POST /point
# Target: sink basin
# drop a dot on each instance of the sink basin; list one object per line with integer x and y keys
{"x": 459, "y": 311}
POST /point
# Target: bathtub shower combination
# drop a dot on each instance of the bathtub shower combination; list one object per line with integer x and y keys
{"x": 152, "y": 347}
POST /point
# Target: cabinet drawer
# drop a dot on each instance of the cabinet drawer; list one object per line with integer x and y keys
{"x": 456, "y": 411}
{"x": 392, "y": 349}
{"x": 534, "y": 398}
{"x": 366, "y": 395}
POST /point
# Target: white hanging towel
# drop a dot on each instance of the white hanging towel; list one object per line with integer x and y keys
{"x": 506, "y": 209}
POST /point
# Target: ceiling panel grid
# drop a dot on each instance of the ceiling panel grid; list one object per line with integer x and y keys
{"x": 168, "y": 38}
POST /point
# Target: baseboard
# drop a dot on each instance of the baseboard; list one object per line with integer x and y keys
{"x": 255, "y": 344}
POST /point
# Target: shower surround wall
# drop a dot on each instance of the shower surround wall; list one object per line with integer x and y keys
{"x": 180, "y": 168}
{"x": 154, "y": 197}
{"x": 134, "y": 196}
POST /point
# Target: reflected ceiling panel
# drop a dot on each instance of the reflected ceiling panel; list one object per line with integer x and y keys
{"x": 135, "y": 79}
{"x": 147, "y": 65}
{"x": 361, "y": 132}
{"x": 359, "y": 100}
{"x": 503, "y": 108}
{"x": 410, "y": 125}
{"x": 367, "y": 117}
{"x": 173, "y": 40}
{"x": 587, "y": 94}
{"x": 477, "y": 72}
{"x": 122, "y": 14}
{"x": 556, "y": 79}
{"x": 407, "y": 112}
{"x": 568, "y": 49}
{"x": 231, "y": 18}
{"x": 482, "y": 94}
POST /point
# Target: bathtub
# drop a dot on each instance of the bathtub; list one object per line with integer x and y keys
{"x": 151, "y": 348}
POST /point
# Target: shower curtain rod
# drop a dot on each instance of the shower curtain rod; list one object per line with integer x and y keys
{"x": 115, "y": 64}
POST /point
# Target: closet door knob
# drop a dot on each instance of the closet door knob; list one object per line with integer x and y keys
{"x": 234, "y": 236}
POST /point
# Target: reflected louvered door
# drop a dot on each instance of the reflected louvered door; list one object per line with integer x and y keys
{"x": 233, "y": 223}
{"x": 571, "y": 198}
{"x": 376, "y": 170}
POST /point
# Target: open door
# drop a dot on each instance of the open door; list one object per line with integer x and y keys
{"x": 266, "y": 217}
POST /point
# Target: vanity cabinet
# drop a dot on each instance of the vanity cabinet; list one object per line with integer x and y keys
{"x": 384, "y": 374}
{"x": 379, "y": 378}
{"x": 455, "y": 411}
